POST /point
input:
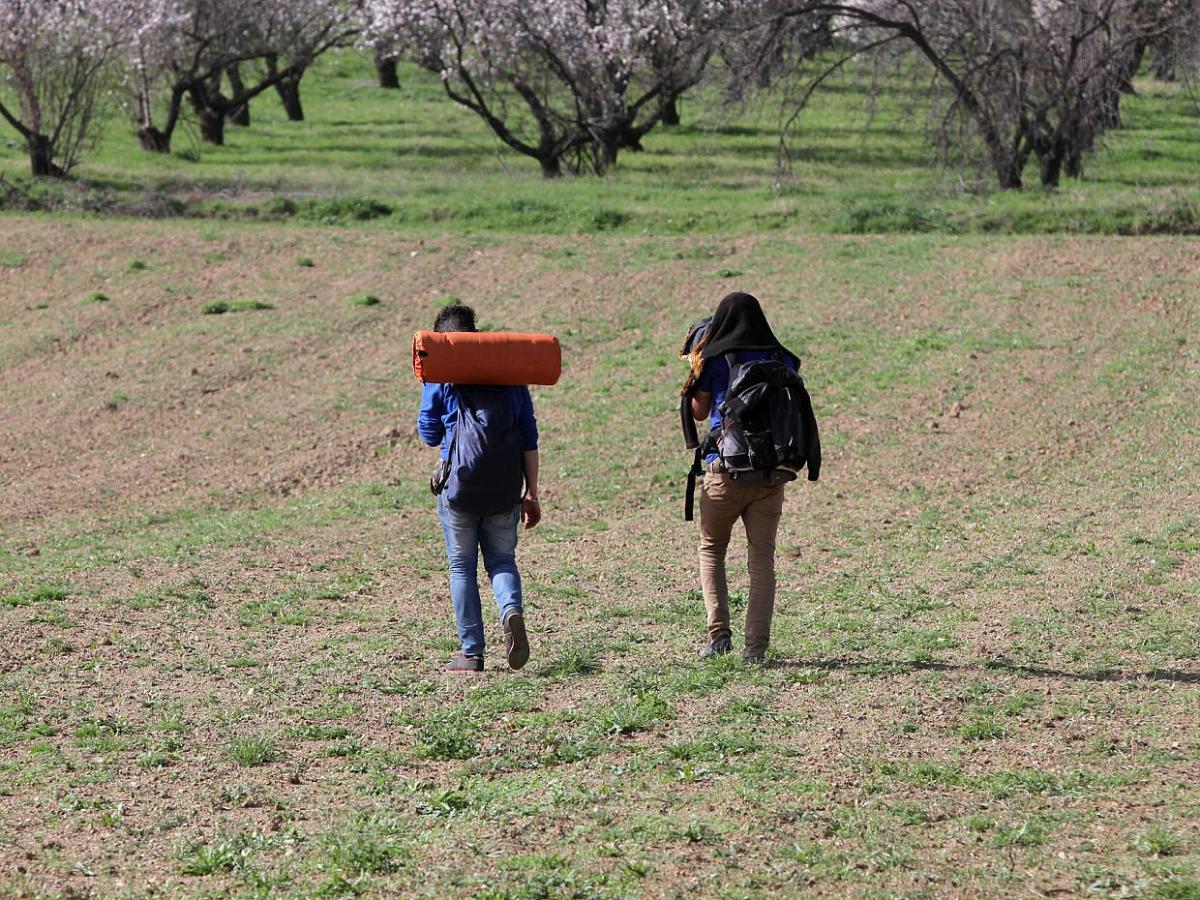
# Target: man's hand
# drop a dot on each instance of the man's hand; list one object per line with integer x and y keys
{"x": 531, "y": 512}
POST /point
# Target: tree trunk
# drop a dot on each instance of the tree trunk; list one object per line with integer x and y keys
{"x": 212, "y": 125}
{"x": 1008, "y": 171}
{"x": 609, "y": 145}
{"x": 1162, "y": 65}
{"x": 1050, "y": 164}
{"x": 41, "y": 157}
{"x": 1074, "y": 164}
{"x": 630, "y": 139}
{"x": 385, "y": 68}
{"x": 551, "y": 167}
{"x": 239, "y": 115}
{"x": 670, "y": 112}
{"x": 289, "y": 93}
{"x": 154, "y": 140}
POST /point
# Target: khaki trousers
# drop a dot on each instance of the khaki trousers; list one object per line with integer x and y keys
{"x": 722, "y": 502}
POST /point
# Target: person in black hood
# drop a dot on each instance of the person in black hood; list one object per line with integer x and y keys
{"x": 740, "y": 325}
{"x": 739, "y": 333}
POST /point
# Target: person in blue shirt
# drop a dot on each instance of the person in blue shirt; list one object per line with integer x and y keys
{"x": 467, "y": 534}
{"x": 738, "y": 327}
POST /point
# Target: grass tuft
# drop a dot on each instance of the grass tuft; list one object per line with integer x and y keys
{"x": 574, "y": 659}
{"x": 43, "y": 594}
{"x": 1158, "y": 841}
{"x": 983, "y": 729}
{"x": 367, "y": 844}
{"x": 220, "y": 307}
{"x": 253, "y": 750}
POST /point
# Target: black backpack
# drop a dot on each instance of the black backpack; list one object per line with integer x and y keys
{"x": 768, "y": 429}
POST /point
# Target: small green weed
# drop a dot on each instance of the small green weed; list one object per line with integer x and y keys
{"x": 1030, "y": 833}
{"x": 1176, "y": 889}
{"x": 96, "y": 297}
{"x": 116, "y": 401}
{"x": 319, "y": 732}
{"x": 633, "y": 715}
{"x": 982, "y": 729}
{"x": 231, "y": 854}
{"x": 448, "y": 735}
{"x": 573, "y": 659}
{"x": 367, "y": 844}
{"x": 154, "y": 759}
{"x": 43, "y": 594}
{"x": 335, "y": 210}
{"x": 364, "y": 300}
{"x": 1157, "y": 841}
{"x": 220, "y": 307}
{"x": 608, "y": 219}
{"x": 253, "y": 750}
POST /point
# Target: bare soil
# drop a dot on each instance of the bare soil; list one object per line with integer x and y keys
{"x": 996, "y": 578}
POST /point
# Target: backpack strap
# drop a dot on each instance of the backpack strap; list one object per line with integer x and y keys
{"x": 457, "y": 414}
{"x": 691, "y": 438}
{"x": 689, "y": 498}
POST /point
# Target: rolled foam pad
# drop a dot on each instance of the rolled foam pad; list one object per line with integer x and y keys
{"x": 486, "y": 357}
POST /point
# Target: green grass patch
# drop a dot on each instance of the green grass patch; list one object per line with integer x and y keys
{"x": 48, "y": 593}
{"x": 571, "y": 660}
{"x": 220, "y": 307}
{"x": 253, "y": 750}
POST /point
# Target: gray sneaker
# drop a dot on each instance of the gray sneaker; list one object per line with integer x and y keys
{"x": 718, "y": 647}
{"x": 516, "y": 641}
{"x": 460, "y": 662}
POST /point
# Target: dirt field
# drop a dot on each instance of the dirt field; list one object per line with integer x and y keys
{"x": 224, "y": 592}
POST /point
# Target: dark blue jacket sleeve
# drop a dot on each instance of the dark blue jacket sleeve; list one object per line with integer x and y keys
{"x": 429, "y": 419}
{"x": 527, "y": 428}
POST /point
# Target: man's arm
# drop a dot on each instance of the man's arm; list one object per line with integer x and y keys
{"x": 532, "y": 462}
{"x": 531, "y": 508}
{"x": 429, "y": 420}
{"x": 701, "y": 405}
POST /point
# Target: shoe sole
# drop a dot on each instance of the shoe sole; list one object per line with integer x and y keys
{"x": 518, "y": 653}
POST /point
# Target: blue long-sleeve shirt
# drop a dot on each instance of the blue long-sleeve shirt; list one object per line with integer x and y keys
{"x": 439, "y": 413}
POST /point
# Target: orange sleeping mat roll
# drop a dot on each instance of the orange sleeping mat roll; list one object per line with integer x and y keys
{"x": 486, "y": 357}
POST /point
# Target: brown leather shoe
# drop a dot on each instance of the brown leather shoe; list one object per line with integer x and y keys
{"x": 462, "y": 663}
{"x": 516, "y": 641}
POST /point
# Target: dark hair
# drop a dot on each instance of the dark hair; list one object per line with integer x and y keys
{"x": 455, "y": 317}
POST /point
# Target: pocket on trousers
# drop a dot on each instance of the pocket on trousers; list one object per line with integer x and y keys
{"x": 715, "y": 485}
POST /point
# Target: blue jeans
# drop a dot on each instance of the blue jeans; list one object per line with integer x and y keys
{"x": 466, "y": 534}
